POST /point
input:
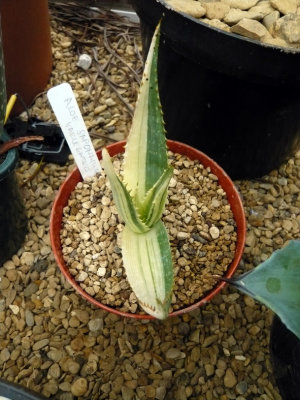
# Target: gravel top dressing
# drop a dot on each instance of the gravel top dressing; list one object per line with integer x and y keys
{"x": 198, "y": 219}
{"x": 272, "y": 22}
{"x": 55, "y": 342}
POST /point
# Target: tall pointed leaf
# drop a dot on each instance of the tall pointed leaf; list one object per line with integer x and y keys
{"x": 276, "y": 283}
{"x": 146, "y": 154}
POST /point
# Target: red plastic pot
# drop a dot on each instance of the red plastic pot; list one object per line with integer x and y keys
{"x": 233, "y": 197}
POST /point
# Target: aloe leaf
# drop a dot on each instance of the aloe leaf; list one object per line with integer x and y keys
{"x": 148, "y": 264}
{"x": 141, "y": 197}
{"x": 122, "y": 198}
{"x": 153, "y": 204}
{"x": 146, "y": 154}
{"x": 276, "y": 283}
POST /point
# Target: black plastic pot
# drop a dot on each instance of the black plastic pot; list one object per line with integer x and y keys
{"x": 285, "y": 358}
{"x": 12, "y": 391}
{"x": 13, "y": 220}
{"x": 233, "y": 98}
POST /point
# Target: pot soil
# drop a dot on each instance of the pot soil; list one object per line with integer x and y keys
{"x": 226, "y": 258}
{"x": 233, "y": 97}
{"x": 13, "y": 220}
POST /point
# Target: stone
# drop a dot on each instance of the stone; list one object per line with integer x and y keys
{"x": 77, "y": 343}
{"x": 209, "y": 369}
{"x": 263, "y": 7}
{"x": 209, "y": 340}
{"x": 55, "y": 355}
{"x": 54, "y": 371}
{"x": 230, "y": 379}
{"x": 127, "y": 393}
{"x": 214, "y": 232}
{"x": 12, "y": 275}
{"x": 183, "y": 328}
{"x": 160, "y": 392}
{"x": 240, "y": 4}
{"x": 216, "y": 10}
{"x": 182, "y": 235}
{"x": 27, "y": 258}
{"x": 254, "y": 330}
{"x": 81, "y": 277}
{"x": 84, "y": 61}
{"x": 40, "y": 344}
{"x": 250, "y": 28}
{"x": 82, "y": 315}
{"x": 4, "y": 283}
{"x": 79, "y": 387}
{"x": 14, "y": 308}
{"x": 234, "y": 16}
{"x": 216, "y": 23}
{"x": 101, "y": 271}
{"x": 174, "y": 354}
{"x": 288, "y": 28}
{"x": 95, "y": 324}
{"x": 150, "y": 392}
{"x": 241, "y": 387}
{"x": 190, "y": 7}
{"x": 284, "y": 6}
{"x": 4, "y": 355}
{"x": 30, "y": 289}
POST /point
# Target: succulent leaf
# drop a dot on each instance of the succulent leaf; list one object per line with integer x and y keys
{"x": 276, "y": 283}
{"x": 122, "y": 198}
{"x": 149, "y": 268}
{"x": 153, "y": 204}
{"x": 146, "y": 153}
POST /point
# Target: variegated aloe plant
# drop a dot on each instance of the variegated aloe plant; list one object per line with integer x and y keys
{"x": 140, "y": 197}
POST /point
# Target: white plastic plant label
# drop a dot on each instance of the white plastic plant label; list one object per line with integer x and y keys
{"x": 67, "y": 112}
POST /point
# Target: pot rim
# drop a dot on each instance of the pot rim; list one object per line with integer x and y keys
{"x": 233, "y": 197}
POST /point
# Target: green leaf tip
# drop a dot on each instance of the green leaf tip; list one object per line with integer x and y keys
{"x": 276, "y": 283}
{"x": 146, "y": 153}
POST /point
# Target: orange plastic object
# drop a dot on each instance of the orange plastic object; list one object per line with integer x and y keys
{"x": 27, "y": 48}
{"x": 233, "y": 197}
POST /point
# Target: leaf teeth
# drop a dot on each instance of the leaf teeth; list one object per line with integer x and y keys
{"x": 157, "y": 312}
{"x": 152, "y": 308}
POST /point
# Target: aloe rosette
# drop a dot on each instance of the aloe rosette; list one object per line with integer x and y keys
{"x": 140, "y": 197}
